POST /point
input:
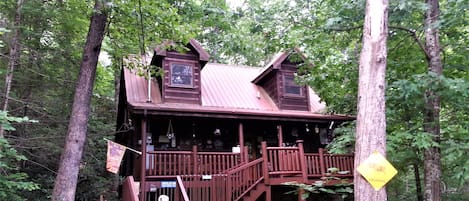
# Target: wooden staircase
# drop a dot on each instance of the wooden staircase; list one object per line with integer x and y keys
{"x": 238, "y": 181}
{"x": 255, "y": 192}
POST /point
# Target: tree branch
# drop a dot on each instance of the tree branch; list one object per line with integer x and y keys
{"x": 412, "y": 33}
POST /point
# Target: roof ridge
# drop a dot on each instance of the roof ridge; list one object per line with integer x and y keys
{"x": 235, "y": 65}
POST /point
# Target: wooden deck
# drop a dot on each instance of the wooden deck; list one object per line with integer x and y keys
{"x": 216, "y": 176}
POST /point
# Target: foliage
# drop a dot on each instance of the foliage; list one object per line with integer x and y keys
{"x": 12, "y": 181}
{"x": 6, "y": 120}
{"x": 328, "y": 184}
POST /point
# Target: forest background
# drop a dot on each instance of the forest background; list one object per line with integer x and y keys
{"x": 41, "y": 44}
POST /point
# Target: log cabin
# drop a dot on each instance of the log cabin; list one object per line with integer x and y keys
{"x": 218, "y": 132}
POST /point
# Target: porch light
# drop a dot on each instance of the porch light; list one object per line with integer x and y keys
{"x": 217, "y": 131}
{"x": 323, "y": 136}
{"x": 316, "y": 129}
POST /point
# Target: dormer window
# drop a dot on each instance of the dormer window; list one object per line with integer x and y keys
{"x": 290, "y": 87}
{"x": 182, "y": 75}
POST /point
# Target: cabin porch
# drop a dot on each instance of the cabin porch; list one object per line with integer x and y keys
{"x": 221, "y": 176}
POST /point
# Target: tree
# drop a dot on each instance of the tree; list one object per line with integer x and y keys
{"x": 432, "y": 158}
{"x": 66, "y": 181}
{"x": 371, "y": 118}
{"x": 14, "y": 58}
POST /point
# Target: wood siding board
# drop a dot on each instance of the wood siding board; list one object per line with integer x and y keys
{"x": 184, "y": 94}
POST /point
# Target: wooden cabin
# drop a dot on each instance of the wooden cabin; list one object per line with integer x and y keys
{"x": 217, "y": 132}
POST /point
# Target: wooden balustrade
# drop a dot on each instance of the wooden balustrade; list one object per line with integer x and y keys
{"x": 171, "y": 163}
{"x": 218, "y": 176}
{"x": 344, "y": 162}
{"x": 206, "y": 187}
{"x": 216, "y": 162}
{"x": 317, "y": 164}
{"x": 313, "y": 165}
{"x": 129, "y": 190}
{"x": 283, "y": 160}
{"x": 243, "y": 179}
{"x": 180, "y": 193}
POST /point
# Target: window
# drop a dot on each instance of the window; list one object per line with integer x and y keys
{"x": 182, "y": 75}
{"x": 290, "y": 87}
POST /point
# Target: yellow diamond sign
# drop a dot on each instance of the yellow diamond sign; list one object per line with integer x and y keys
{"x": 377, "y": 170}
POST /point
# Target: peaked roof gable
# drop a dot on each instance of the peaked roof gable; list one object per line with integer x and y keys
{"x": 276, "y": 63}
{"x": 193, "y": 44}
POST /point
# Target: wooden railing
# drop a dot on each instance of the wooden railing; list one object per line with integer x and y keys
{"x": 218, "y": 176}
{"x": 344, "y": 162}
{"x": 242, "y": 179}
{"x": 317, "y": 164}
{"x": 129, "y": 191}
{"x": 284, "y": 161}
{"x": 171, "y": 163}
{"x": 180, "y": 193}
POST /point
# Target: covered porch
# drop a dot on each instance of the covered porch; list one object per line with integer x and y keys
{"x": 219, "y": 176}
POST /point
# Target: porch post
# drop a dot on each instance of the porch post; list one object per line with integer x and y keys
{"x": 241, "y": 138}
{"x": 280, "y": 135}
{"x": 268, "y": 193}
{"x": 265, "y": 163}
{"x": 143, "y": 162}
{"x": 194, "y": 159}
{"x": 302, "y": 160}
{"x": 321, "y": 161}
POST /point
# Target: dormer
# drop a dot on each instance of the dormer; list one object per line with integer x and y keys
{"x": 278, "y": 80}
{"x": 180, "y": 82}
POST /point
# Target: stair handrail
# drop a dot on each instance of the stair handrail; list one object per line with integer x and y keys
{"x": 180, "y": 191}
{"x": 244, "y": 178}
{"x": 129, "y": 190}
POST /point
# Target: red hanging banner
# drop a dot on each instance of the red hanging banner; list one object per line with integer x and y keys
{"x": 115, "y": 153}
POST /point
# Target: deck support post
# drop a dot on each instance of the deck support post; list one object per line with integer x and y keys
{"x": 194, "y": 159}
{"x": 302, "y": 160}
{"x": 300, "y": 195}
{"x": 241, "y": 139}
{"x": 265, "y": 163}
{"x": 268, "y": 193}
{"x": 280, "y": 135}
{"x": 143, "y": 128}
{"x": 245, "y": 156}
{"x": 321, "y": 161}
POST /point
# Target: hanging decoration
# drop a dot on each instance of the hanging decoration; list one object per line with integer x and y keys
{"x": 171, "y": 135}
{"x": 170, "y": 132}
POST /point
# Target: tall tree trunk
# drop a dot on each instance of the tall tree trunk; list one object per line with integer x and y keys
{"x": 418, "y": 186}
{"x": 66, "y": 180}
{"x": 14, "y": 59}
{"x": 432, "y": 163}
{"x": 371, "y": 118}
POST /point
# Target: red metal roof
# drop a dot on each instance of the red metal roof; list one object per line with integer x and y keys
{"x": 226, "y": 89}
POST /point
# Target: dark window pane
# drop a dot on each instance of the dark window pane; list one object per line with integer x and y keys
{"x": 181, "y": 75}
{"x": 291, "y": 88}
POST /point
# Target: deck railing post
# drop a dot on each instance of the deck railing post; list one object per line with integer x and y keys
{"x": 229, "y": 190}
{"x": 245, "y": 155}
{"x": 177, "y": 192}
{"x": 302, "y": 160}
{"x": 265, "y": 162}
{"x": 143, "y": 130}
{"x": 321, "y": 161}
{"x": 194, "y": 159}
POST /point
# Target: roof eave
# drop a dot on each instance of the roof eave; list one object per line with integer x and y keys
{"x": 238, "y": 114}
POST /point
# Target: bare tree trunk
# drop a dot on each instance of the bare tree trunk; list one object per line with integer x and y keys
{"x": 432, "y": 162}
{"x": 66, "y": 180}
{"x": 14, "y": 59}
{"x": 418, "y": 182}
{"x": 371, "y": 118}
